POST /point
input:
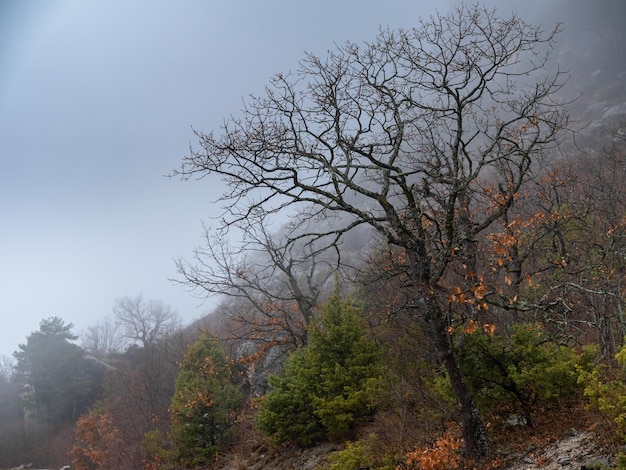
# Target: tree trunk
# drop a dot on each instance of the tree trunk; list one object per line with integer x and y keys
{"x": 474, "y": 432}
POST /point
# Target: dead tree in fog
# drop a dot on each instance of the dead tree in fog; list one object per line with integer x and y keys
{"x": 272, "y": 287}
{"x": 103, "y": 339}
{"x": 425, "y": 135}
{"x": 144, "y": 322}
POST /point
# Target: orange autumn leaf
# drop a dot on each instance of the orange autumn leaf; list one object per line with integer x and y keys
{"x": 470, "y": 327}
{"x": 489, "y": 328}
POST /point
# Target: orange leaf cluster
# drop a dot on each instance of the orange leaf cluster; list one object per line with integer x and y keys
{"x": 479, "y": 292}
{"x": 99, "y": 441}
{"x": 489, "y": 328}
{"x": 442, "y": 455}
{"x": 251, "y": 358}
{"x": 512, "y": 235}
{"x": 458, "y": 296}
{"x": 200, "y": 399}
{"x": 472, "y": 326}
{"x": 208, "y": 368}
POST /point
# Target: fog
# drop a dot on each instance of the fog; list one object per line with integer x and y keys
{"x": 98, "y": 102}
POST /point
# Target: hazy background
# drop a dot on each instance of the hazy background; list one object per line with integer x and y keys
{"x": 97, "y": 104}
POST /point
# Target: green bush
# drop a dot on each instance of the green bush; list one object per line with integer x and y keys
{"x": 286, "y": 412}
{"x": 358, "y": 455}
{"x": 327, "y": 385}
{"x": 517, "y": 372}
{"x": 608, "y": 396}
{"x": 353, "y": 457}
{"x": 155, "y": 453}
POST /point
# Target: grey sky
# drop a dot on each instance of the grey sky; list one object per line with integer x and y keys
{"x": 97, "y": 102}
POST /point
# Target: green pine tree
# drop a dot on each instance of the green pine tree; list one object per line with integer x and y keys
{"x": 328, "y": 384}
{"x": 60, "y": 381}
{"x": 205, "y": 403}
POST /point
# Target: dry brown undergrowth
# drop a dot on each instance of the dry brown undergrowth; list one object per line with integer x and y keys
{"x": 513, "y": 447}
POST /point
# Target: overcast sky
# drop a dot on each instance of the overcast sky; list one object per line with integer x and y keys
{"x": 97, "y": 104}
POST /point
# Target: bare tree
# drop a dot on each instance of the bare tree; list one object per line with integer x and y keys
{"x": 277, "y": 284}
{"x": 603, "y": 188}
{"x": 586, "y": 293}
{"x": 271, "y": 292}
{"x": 426, "y": 135}
{"x": 144, "y": 322}
{"x": 140, "y": 390}
{"x": 103, "y": 339}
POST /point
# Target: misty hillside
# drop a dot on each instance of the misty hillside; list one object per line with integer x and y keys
{"x": 427, "y": 274}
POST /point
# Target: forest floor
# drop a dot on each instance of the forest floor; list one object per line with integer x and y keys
{"x": 568, "y": 439}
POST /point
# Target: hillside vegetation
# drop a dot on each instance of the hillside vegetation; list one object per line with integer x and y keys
{"x": 448, "y": 291}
